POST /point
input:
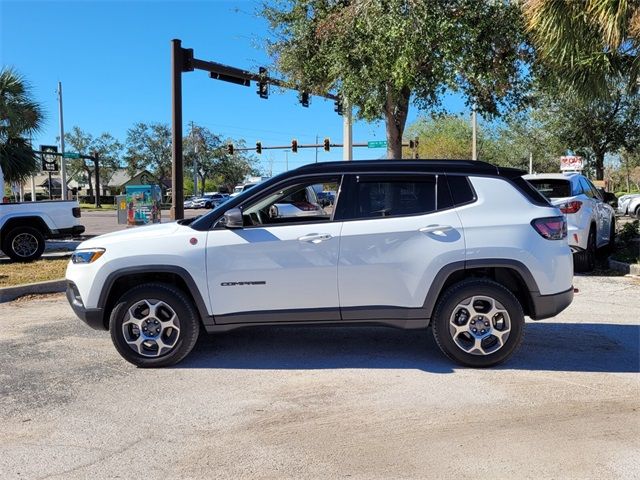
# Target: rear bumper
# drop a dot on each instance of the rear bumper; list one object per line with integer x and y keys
{"x": 547, "y": 306}
{"x": 67, "y": 232}
{"x": 94, "y": 317}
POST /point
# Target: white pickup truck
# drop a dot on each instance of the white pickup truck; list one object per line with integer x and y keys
{"x": 24, "y": 227}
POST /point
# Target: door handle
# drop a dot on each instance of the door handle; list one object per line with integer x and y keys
{"x": 437, "y": 229}
{"x": 315, "y": 237}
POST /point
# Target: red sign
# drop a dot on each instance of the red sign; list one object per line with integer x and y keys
{"x": 571, "y": 162}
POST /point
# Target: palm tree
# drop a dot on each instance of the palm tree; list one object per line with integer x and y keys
{"x": 20, "y": 116}
{"x": 586, "y": 43}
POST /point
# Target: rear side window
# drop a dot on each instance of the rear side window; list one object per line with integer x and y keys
{"x": 377, "y": 196}
{"x": 461, "y": 191}
{"x": 552, "y": 188}
{"x": 586, "y": 188}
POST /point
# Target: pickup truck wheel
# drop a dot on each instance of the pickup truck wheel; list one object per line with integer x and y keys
{"x": 154, "y": 325}
{"x": 478, "y": 323}
{"x": 23, "y": 244}
{"x": 585, "y": 261}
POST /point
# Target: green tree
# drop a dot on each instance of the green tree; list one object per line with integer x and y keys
{"x": 109, "y": 152}
{"x": 441, "y": 136}
{"x": 20, "y": 117}
{"x": 149, "y": 146}
{"x": 597, "y": 127}
{"x": 232, "y": 169}
{"x": 382, "y": 55}
{"x": 204, "y": 151}
{"x": 521, "y": 135}
{"x": 581, "y": 44}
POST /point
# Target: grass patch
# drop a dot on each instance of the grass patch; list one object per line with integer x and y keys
{"x": 12, "y": 274}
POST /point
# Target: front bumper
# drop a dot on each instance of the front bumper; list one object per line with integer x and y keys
{"x": 546, "y": 306}
{"x": 94, "y": 317}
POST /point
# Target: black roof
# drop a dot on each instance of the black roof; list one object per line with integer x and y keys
{"x": 420, "y": 165}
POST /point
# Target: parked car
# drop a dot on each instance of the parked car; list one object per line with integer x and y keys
{"x": 210, "y": 200}
{"x": 241, "y": 188}
{"x": 591, "y": 221}
{"x": 463, "y": 246}
{"x": 188, "y": 202}
{"x": 629, "y": 205}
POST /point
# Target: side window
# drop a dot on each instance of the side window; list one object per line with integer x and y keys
{"x": 305, "y": 201}
{"x": 596, "y": 192}
{"x": 586, "y": 189}
{"x": 388, "y": 196}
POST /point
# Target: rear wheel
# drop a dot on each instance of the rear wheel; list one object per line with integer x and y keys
{"x": 585, "y": 261}
{"x": 154, "y": 325}
{"x": 23, "y": 244}
{"x": 478, "y": 323}
{"x": 612, "y": 237}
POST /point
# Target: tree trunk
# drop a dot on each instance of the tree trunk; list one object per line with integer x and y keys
{"x": 203, "y": 180}
{"x": 599, "y": 166}
{"x": 395, "y": 109}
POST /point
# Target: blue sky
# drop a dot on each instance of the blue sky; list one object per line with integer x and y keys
{"x": 113, "y": 59}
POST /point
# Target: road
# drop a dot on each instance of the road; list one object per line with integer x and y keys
{"x": 359, "y": 403}
{"x": 100, "y": 222}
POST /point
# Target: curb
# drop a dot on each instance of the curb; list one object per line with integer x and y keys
{"x": 52, "y": 286}
{"x": 626, "y": 268}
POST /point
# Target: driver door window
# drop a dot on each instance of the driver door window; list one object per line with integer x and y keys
{"x": 303, "y": 202}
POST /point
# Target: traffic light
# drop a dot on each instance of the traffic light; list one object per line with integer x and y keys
{"x": 294, "y": 145}
{"x": 258, "y": 148}
{"x": 230, "y": 148}
{"x": 263, "y": 86}
{"x": 338, "y": 107}
{"x": 304, "y": 99}
{"x": 327, "y": 145}
{"x": 411, "y": 145}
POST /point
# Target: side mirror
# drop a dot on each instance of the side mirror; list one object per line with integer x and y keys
{"x": 232, "y": 218}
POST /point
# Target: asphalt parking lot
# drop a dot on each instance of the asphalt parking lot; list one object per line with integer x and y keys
{"x": 365, "y": 403}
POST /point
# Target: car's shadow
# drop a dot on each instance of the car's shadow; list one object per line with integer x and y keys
{"x": 578, "y": 347}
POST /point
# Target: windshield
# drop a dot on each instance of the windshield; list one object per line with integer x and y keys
{"x": 552, "y": 188}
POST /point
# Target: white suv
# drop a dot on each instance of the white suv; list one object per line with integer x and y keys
{"x": 591, "y": 221}
{"x": 461, "y": 246}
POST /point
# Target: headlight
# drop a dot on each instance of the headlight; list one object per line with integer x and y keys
{"x": 87, "y": 256}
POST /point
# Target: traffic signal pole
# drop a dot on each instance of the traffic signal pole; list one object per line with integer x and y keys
{"x": 177, "y": 187}
{"x": 182, "y": 60}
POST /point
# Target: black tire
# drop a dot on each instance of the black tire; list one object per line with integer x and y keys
{"x": 449, "y": 304}
{"x": 611, "y": 245}
{"x": 188, "y": 324}
{"x": 585, "y": 261}
{"x": 637, "y": 213}
{"x": 23, "y": 244}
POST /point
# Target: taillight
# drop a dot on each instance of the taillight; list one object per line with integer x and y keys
{"x": 551, "y": 228}
{"x": 76, "y": 212}
{"x": 570, "y": 207}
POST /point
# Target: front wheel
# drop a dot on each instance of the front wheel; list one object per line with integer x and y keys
{"x": 154, "y": 325}
{"x": 478, "y": 323}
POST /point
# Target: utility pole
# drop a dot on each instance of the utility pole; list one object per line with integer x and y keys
{"x": 286, "y": 160}
{"x": 347, "y": 133}
{"x": 195, "y": 159}
{"x": 63, "y": 168}
{"x": 530, "y": 163}
{"x": 474, "y": 133}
